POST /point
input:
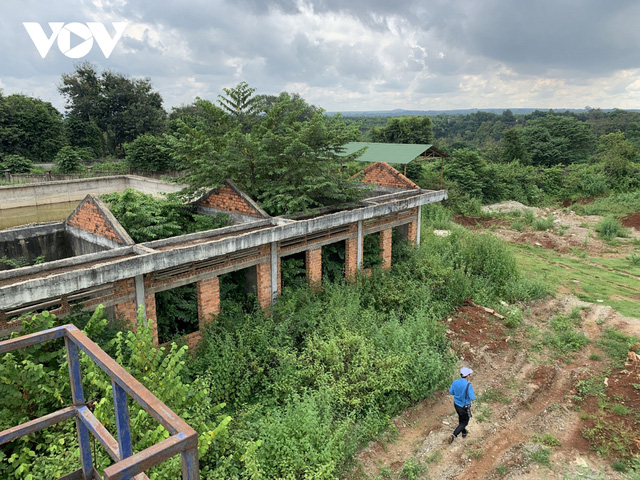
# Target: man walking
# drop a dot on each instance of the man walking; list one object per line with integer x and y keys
{"x": 462, "y": 392}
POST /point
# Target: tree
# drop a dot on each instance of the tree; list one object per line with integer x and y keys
{"x": 411, "y": 129}
{"x": 120, "y": 107}
{"x": 30, "y": 128}
{"x": 68, "y": 160}
{"x": 617, "y": 153}
{"x": 554, "y": 139}
{"x": 149, "y": 152}
{"x": 466, "y": 168}
{"x": 287, "y": 160}
{"x": 240, "y": 103}
{"x": 512, "y": 148}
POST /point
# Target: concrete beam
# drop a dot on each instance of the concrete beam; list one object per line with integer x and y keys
{"x": 31, "y": 290}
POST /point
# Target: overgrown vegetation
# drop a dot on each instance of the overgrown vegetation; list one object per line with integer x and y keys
{"x": 305, "y": 386}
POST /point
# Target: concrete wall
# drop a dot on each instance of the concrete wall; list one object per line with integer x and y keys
{"x": 17, "y": 196}
{"x": 50, "y": 241}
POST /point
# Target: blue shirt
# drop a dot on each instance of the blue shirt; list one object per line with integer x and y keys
{"x": 458, "y": 388}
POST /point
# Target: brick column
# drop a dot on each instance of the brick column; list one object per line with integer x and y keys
{"x": 385, "y": 247}
{"x": 313, "y": 261}
{"x": 208, "y": 300}
{"x": 152, "y": 320}
{"x": 350, "y": 258}
{"x": 263, "y": 287}
{"x": 412, "y": 233}
{"x": 127, "y": 309}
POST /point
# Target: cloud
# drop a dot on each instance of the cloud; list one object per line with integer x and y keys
{"x": 351, "y": 55}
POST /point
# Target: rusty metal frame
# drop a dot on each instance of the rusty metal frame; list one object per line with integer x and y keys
{"x": 183, "y": 439}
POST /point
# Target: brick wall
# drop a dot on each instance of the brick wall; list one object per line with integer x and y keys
{"x": 227, "y": 199}
{"x": 150, "y": 308}
{"x": 383, "y": 174}
{"x": 385, "y": 248}
{"x": 88, "y": 217}
{"x": 313, "y": 261}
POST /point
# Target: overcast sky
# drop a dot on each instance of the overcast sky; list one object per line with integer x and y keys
{"x": 350, "y": 54}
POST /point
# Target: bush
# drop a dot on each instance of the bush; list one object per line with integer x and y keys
{"x": 15, "y": 164}
{"x": 68, "y": 160}
{"x": 609, "y": 228}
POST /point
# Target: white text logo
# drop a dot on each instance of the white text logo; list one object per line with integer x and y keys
{"x": 87, "y": 33}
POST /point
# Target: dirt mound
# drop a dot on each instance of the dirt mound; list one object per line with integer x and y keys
{"x": 478, "y": 222}
{"x": 507, "y": 207}
{"x": 579, "y": 201}
{"x": 631, "y": 221}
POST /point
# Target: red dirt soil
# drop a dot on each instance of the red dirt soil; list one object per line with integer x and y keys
{"x": 631, "y": 221}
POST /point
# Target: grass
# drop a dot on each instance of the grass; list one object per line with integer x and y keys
{"x": 613, "y": 281}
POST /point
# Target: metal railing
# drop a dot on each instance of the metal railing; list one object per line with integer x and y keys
{"x": 183, "y": 439}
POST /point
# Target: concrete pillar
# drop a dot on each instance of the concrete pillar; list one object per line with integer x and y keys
{"x": 275, "y": 272}
{"x": 418, "y": 225}
{"x": 385, "y": 248}
{"x": 360, "y": 244}
{"x": 313, "y": 261}
{"x": 140, "y": 297}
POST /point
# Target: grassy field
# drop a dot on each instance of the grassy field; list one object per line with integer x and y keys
{"x": 610, "y": 281}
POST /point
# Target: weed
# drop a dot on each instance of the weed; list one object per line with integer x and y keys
{"x": 435, "y": 458}
{"x": 540, "y": 455}
{"x": 589, "y": 387}
{"x": 634, "y": 259}
{"x": 609, "y": 228}
{"x": 595, "y": 357}
{"x": 616, "y": 344}
{"x": 563, "y": 336}
{"x": 412, "y": 470}
{"x": 619, "y": 466}
{"x": 636, "y": 386}
{"x": 620, "y": 409}
{"x": 483, "y": 413}
{"x": 502, "y": 470}
{"x": 610, "y": 438}
{"x": 475, "y": 453}
{"x": 542, "y": 224}
{"x": 547, "y": 439}
{"x": 492, "y": 394}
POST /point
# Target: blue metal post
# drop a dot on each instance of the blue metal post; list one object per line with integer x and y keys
{"x": 120, "y": 399}
{"x": 77, "y": 393}
{"x": 190, "y": 465}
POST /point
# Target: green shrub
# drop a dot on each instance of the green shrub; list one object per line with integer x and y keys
{"x": 609, "y": 228}
{"x": 68, "y": 160}
{"x": 542, "y": 224}
{"x": 15, "y": 164}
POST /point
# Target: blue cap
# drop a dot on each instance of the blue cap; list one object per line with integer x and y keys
{"x": 464, "y": 371}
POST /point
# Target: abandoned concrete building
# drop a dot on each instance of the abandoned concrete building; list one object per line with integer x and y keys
{"x": 91, "y": 259}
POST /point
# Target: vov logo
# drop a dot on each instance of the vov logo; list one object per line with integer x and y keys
{"x": 62, "y": 32}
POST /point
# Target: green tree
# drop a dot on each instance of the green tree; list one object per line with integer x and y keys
{"x": 149, "y": 152}
{"x": 287, "y": 161}
{"x": 30, "y": 128}
{"x": 240, "y": 103}
{"x": 412, "y": 129}
{"x": 467, "y": 169}
{"x": 68, "y": 160}
{"x": 555, "y": 139}
{"x": 122, "y": 108}
{"x": 512, "y": 148}
{"x": 15, "y": 164}
{"x": 617, "y": 152}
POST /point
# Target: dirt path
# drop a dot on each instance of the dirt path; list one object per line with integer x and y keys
{"x": 522, "y": 397}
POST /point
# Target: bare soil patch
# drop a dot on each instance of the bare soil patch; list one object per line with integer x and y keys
{"x": 631, "y": 221}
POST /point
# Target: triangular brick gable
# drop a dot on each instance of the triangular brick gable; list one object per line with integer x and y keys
{"x": 383, "y": 174}
{"x": 229, "y": 198}
{"x": 93, "y": 216}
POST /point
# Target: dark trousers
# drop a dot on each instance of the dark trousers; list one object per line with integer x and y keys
{"x": 463, "y": 420}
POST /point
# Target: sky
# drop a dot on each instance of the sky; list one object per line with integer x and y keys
{"x": 349, "y": 55}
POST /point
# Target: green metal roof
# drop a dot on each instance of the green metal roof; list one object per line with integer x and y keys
{"x": 389, "y": 152}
